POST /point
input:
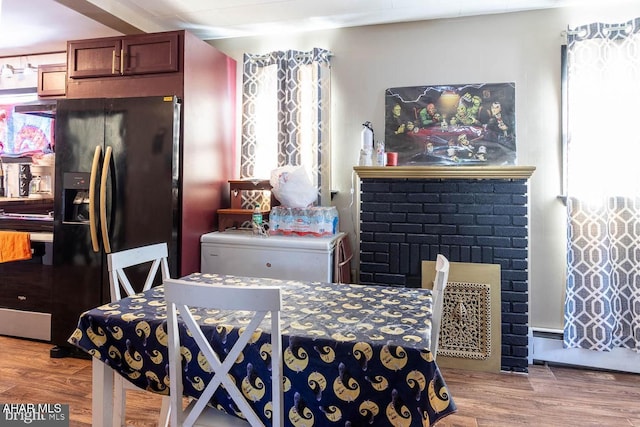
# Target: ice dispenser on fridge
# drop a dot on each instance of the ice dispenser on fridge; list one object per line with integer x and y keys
{"x": 76, "y": 197}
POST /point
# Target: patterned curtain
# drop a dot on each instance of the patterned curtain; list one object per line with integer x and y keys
{"x": 286, "y": 115}
{"x": 602, "y": 307}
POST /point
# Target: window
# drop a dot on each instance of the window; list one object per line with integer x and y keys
{"x": 603, "y": 92}
{"x": 602, "y": 304}
{"x": 286, "y": 115}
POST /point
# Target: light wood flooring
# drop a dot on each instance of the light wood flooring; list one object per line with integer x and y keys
{"x": 547, "y": 396}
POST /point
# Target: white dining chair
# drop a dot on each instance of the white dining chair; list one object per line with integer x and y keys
{"x": 121, "y": 270}
{"x": 439, "y": 285}
{"x": 260, "y": 300}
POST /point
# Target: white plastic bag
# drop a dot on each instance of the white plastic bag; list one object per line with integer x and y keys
{"x": 292, "y": 187}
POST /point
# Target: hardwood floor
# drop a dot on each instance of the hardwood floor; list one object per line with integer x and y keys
{"x": 29, "y": 375}
{"x": 547, "y": 396}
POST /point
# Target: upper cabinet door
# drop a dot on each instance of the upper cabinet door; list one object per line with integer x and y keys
{"x": 94, "y": 58}
{"x": 147, "y": 54}
{"x": 123, "y": 56}
{"x": 52, "y": 80}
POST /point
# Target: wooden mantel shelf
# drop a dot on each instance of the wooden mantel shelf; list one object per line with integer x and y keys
{"x": 450, "y": 172}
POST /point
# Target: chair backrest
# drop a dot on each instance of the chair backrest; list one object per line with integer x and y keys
{"x": 439, "y": 285}
{"x": 118, "y": 262}
{"x": 180, "y": 295}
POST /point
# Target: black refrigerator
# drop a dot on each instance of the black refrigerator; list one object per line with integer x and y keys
{"x": 117, "y": 187}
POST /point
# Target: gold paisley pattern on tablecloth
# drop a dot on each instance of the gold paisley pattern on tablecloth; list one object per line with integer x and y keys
{"x": 353, "y": 354}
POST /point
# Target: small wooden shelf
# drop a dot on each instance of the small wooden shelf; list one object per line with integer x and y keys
{"x": 236, "y": 214}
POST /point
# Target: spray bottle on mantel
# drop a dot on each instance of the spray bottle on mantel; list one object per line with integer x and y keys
{"x": 366, "y": 145}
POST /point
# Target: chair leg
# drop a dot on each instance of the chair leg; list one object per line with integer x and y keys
{"x": 119, "y": 401}
{"x": 165, "y": 410}
{"x": 119, "y": 405}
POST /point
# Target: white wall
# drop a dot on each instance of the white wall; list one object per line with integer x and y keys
{"x": 20, "y": 80}
{"x": 519, "y": 47}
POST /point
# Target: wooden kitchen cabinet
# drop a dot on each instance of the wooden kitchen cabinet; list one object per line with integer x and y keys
{"x": 123, "y": 56}
{"x": 52, "y": 80}
{"x": 158, "y": 64}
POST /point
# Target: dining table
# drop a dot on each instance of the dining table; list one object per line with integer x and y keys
{"x": 353, "y": 355}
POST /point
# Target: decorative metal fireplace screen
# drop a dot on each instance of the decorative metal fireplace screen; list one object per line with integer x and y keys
{"x": 466, "y": 326}
{"x": 470, "y": 335}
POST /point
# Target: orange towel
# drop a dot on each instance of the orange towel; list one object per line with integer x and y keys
{"x": 14, "y": 246}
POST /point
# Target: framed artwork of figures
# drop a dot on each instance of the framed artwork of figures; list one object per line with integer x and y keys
{"x": 468, "y": 124}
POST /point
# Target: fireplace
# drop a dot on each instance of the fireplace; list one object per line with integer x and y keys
{"x": 469, "y": 214}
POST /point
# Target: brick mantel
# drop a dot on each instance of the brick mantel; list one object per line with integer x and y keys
{"x": 476, "y": 214}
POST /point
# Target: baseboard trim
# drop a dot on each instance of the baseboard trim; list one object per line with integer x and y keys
{"x": 546, "y": 345}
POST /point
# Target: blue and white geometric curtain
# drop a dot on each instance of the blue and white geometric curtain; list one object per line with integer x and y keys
{"x": 602, "y": 307}
{"x": 286, "y": 105}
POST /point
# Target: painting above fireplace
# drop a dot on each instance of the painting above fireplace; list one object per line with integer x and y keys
{"x": 469, "y": 124}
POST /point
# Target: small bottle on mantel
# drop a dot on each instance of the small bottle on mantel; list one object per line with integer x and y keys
{"x": 256, "y": 220}
{"x": 380, "y": 155}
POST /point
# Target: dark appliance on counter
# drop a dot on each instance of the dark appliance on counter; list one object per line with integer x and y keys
{"x": 119, "y": 165}
{"x": 2, "y": 192}
{"x": 24, "y": 180}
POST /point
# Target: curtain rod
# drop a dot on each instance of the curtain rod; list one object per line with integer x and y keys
{"x": 610, "y": 27}
{"x": 310, "y": 54}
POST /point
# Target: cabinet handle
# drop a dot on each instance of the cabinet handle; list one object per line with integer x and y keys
{"x": 121, "y": 61}
{"x": 22, "y": 298}
{"x": 113, "y": 62}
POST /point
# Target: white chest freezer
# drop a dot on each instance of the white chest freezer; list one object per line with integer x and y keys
{"x": 241, "y": 253}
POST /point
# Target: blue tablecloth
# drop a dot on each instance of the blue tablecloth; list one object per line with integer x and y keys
{"x": 354, "y": 355}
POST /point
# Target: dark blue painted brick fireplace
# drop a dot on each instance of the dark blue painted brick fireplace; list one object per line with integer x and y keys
{"x": 404, "y": 221}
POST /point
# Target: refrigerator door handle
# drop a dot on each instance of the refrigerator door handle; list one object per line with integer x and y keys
{"x": 92, "y": 199}
{"x": 103, "y": 200}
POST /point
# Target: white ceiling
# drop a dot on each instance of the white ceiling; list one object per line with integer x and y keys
{"x": 37, "y": 26}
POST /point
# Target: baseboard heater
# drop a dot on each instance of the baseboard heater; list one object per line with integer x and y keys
{"x": 546, "y": 345}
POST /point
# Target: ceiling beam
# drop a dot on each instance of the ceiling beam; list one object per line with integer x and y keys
{"x": 100, "y": 15}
